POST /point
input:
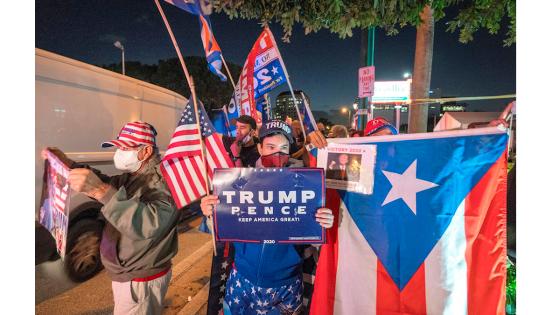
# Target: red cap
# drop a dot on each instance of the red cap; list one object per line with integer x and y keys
{"x": 377, "y": 124}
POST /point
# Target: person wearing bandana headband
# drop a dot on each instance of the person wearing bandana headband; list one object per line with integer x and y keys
{"x": 273, "y": 268}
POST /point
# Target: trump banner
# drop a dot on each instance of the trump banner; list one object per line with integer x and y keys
{"x": 262, "y": 72}
{"x": 269, "y": 205}
{"x": 430, "y": 239}
{"x": 53, "y": 214}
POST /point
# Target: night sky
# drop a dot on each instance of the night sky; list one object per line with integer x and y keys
{"x": 321, "y": 64}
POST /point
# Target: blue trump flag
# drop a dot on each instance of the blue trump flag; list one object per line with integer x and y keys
{"x": 262, "y": 72}
{"x": 203, "y": 9}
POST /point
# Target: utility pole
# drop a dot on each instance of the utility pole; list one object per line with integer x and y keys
{"x": 366, "y": 55}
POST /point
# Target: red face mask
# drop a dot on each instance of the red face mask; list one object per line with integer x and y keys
{"x": 278, "y": 159}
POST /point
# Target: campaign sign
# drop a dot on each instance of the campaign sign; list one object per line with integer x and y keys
{"x": 55, "y": 200}
{"x": 269, "y": 205}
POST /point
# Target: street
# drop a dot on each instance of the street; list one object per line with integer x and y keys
{"x": 56, "y": 294}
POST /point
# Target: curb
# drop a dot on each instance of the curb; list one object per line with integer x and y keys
{"x": 199, "y": 300}
{"x": 187, "y": 263}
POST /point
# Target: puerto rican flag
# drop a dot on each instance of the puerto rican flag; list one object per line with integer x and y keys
{"x": 431, "y": 239}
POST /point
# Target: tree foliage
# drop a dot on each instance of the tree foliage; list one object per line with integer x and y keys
{"x": 168, "y": 74}
{"x": 342, "y": 17}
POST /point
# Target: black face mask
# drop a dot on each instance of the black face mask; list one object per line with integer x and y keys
{"x": 277, "y": 159}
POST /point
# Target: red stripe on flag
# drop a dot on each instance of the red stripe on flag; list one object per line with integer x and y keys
{"x": 165, "y": 173}
{"x": 180, "y": 183}
{"x": 201, "y": 177}
{"x": 388, "y": 296}
{"x": 190, "y": 178}
{"x": 223, "y": 151}
{"x": 183, "y": 143}
{"x": 213, "y": 156}
{"x": 325, "y": 280}
{"x": 390, "y": 300}
{"x": 179, "y": 188}
{"x": 180, "y": 155}
{"x": 485, "y": 228}
{"x": 312, "y": 160}
{"x": 413, "y": 296}
{"x": 185, "y": 132}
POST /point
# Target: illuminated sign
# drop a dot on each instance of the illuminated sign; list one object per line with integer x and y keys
{"x": 452, "y": 108}
{"x": 391, "y": 92}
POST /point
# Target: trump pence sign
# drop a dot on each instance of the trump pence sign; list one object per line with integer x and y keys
{"x": 269, "y": 205}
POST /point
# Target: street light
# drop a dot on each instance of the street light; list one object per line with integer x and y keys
{"x": 121, "y": 47}
{"x": 406, "y": 75}
{"x": 345, "y": 110}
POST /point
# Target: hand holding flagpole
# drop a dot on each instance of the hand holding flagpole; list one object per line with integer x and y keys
{"x": 190, "y": 83}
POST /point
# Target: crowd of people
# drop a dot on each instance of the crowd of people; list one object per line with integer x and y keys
{"x": 139, "y": 238}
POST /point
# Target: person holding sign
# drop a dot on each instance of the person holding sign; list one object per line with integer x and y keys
{"x": 140, "y": 235}
{"x": 267, "y": 278}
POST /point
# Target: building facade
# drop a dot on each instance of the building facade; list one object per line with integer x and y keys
{"x": 284, "y": 105}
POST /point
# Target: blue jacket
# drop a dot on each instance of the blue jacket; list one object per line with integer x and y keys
{"x": 269, "y": 265}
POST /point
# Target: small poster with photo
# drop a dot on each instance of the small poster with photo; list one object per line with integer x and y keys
{"x": 55, "y": 201}
{"x": 348, "y": 167}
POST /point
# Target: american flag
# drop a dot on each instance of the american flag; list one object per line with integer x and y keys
{"x": 182, "y": 165}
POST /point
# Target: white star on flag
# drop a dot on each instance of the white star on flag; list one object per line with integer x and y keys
{"x": 238, "y": 284}
{"x": 224, "y": 265}
{"x": 274, "y": 70}
{"x": 222, "y": 288}
{"x": 223, "y": 276}
{"x": 405, "y": 186}
{"x": 268, "y": 290}
{"x": 236, "y": 300}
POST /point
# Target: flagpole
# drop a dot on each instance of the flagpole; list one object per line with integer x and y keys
{"x": 228, "y": 73}
{"x": 233, "y": 86}
{"x": 190, "y": 82}
{"x": 289, "y": 83}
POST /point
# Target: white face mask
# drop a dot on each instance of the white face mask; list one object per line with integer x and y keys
{"x": 246, "y": 139}
{"x": 127, "y": 160}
